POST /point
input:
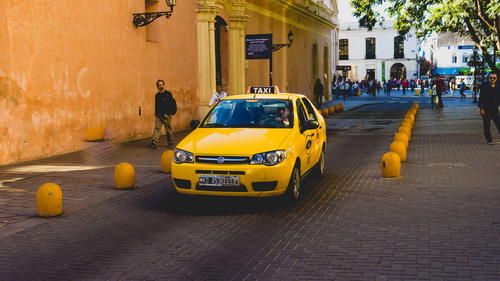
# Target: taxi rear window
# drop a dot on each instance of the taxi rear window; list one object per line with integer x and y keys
{"x": 250, "y": 113}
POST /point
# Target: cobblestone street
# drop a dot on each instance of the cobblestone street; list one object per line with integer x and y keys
{"x": 439, "y": 221}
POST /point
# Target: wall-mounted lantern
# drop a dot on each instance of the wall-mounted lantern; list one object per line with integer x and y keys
{"x": 290, "y": 40}
{"x": 143, "y": 19}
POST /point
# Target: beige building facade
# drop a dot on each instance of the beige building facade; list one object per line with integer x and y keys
{"x": 66, "y": 66}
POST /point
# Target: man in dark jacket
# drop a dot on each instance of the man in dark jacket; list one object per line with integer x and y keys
{"x": 489, "y": 101}
{"x": 165, "y": 107}
{"x": 440, "y": 89}
{"x": 318, "y": 92}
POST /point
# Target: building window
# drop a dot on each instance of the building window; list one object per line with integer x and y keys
{"x": 399, "y": 47}
{"x": 454, "y": 58}
{"x": 465, "y": 59}
{"x": 344, "y": 49}
{"x": 152, "y": 29}
{"x": 370, "y": 48}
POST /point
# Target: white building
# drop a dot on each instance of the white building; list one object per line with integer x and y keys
{"x": 449, "y": 53}
{"x": 379, "y": 54}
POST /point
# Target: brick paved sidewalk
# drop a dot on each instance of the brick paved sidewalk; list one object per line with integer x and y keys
{"x": 85, "y": 177}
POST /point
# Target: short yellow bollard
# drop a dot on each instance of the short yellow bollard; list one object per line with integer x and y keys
{"x": 49, "y": 200}
{"x": 331, "y": 110}
{"x": 336, "y": 108}
{"x": 341, "y": 107}
{"x": 405, "y": 130}
{"x": 324, "y": 112}
{"x": 95, "y": 133}
{"x": 399, "y": 148}
{"x": 403, "y": 138}
{"x": 124, "y": 176}
{"x": 417, "y": 92}
{"x": 410, "y": 116}
{"x": 390, "y": 165}
{"x": 166, "y": 161}
{"x": 407, "y": 123}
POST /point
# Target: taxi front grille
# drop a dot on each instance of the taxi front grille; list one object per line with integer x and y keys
{"x": 222, "y": 160}
{"x": 209, "y": 172}
{"x": 240, "y": 188}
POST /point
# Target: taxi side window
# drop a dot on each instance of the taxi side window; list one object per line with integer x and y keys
{"x": 302, "y": 115}
{"x": 309, "y": 109}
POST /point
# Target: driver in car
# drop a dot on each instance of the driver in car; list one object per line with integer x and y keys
{"x": 282, "y": 118}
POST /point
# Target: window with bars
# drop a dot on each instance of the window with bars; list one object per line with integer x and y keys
{"x": 344, "y": 49}
{"x": 370, "y": 48}
{"x": 399, "y": 47}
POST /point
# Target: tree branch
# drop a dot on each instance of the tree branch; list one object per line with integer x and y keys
{"x": 475, "y": 38}
{"x": 482, "y": 18}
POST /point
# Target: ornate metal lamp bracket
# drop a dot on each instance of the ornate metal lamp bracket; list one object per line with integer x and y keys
{"x": 290, "y": 40}
{"x": 144, "y": 19}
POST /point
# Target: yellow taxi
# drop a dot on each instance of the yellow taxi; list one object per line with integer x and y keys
{"x": 252, "y": 145}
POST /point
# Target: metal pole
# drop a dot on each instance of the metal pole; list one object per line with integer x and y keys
{"x": 271, "y": 71}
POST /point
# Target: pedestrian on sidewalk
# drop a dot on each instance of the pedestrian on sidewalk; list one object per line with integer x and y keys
{"x": 318, "y": 92}
{"x": 489, "y": 101}
{"x": 440, "y": 89}
{"x": 462, "y": 89}
{"x": 218, "y": 95}
{"x": 165, "y": 108}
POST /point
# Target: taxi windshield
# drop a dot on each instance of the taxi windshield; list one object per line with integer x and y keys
{"x": 250, "y": 113}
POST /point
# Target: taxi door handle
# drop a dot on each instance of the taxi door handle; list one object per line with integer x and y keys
{"x": 311, "y": 135}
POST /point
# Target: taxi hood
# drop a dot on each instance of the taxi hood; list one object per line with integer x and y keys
{"x": 233, "y": 141}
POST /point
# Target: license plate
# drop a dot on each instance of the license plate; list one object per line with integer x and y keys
{"x": 212, "y": 180}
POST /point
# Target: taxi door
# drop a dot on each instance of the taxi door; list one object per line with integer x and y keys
{"x": 305, "y": 141}
{"x": 316, "y": 133}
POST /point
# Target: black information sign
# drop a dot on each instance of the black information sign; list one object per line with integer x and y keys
{"x": 344, "y": 67}
{"x": 259, "y": 46}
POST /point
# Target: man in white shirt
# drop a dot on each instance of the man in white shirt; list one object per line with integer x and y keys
{"x": 218, "y": 95}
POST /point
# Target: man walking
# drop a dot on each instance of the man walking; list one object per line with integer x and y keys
{"x": 165, "y": 107}
{"x": 318, "y": 92}
{"x": 489, "y": 101}
{"x": 440, "y": 88}
{"x": 462, "y": 89}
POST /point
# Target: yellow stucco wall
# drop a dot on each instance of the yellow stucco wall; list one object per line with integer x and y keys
{"x": 69, "y": 65}
{"x": 66, "y": 66}
{"x": 292, "y": 67}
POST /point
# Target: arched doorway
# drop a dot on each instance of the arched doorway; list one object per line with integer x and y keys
{"x": 398, "y": 71}
{"x": 315, "y": 64}
{"x": 326, "y": 71}
{"x": 221, "y": 52}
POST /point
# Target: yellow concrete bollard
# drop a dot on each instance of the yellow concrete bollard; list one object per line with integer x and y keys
{"x": 405, "y": 130}
{"x": 399, "y": 148}
{"x": 336, "y": 108}
{"x": 49, "y": 200}
{"x": 95, "y": 133}
{"x": 124, "y": 176}
{"x": 407, "y": 123}
{"x": 324, "y": 112}
{"x": 390, "y": 165}
{"x": 410, "y": 116}
{"x": 403, "y": 138}
{"x": 342, "y": 107}
{"x": 166, "y": 161}
{"x": 417, "y": 92}
{"x": 331, "y": 110}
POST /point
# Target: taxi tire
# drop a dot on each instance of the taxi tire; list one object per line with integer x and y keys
{"x": 294, "y": 190}
{"x": 319, "y": 168}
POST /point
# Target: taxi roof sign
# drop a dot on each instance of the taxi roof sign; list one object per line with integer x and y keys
{"x": 263, "y": 90}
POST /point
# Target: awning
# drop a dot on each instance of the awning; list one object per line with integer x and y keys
{"x": 449, "y": 70}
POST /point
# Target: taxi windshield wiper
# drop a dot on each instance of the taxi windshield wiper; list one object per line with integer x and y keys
{"x": 254, "y": 125}
{"x": 215, "y": 125}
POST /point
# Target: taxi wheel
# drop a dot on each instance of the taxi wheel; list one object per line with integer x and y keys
{"x": 319, "y": 169}
{"x": 294, "y": 190}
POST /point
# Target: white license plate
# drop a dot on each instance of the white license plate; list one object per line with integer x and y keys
{"x": 212, "y": 180}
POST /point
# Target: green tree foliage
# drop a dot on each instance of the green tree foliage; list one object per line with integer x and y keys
{"x": 478, "y": 20}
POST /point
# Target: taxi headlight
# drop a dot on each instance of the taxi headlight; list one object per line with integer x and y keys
{"x": 270, "y": 158}
{"x": 182, "y": 156}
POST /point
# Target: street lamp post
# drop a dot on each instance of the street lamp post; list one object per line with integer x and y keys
{"x": 474, "y": 61}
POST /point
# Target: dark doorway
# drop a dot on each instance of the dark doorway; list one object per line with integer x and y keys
{"x": 221, "y": 52}
{"x": 398, "y": 71}
{"x": 370, "y": 74}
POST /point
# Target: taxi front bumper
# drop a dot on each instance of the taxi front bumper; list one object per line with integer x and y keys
{"x": 255, "y": 180}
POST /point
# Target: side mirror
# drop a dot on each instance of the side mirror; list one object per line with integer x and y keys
{"x": 311, "y": 125}
{"x": 194, "y": 124}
